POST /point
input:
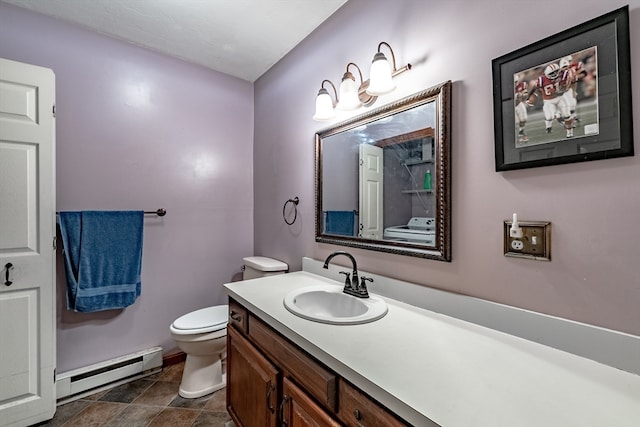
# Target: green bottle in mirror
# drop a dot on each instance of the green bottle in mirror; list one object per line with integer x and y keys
{"x": 427, "y": 180}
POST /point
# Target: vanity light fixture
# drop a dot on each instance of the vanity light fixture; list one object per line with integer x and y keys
{"x": 381, "y": 74}
{"x": 324, "y": 103}
{"x": 352, "y": 96}
{"x": 349, "y": 99}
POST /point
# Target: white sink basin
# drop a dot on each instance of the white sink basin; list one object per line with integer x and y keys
{"x": 328, "y": 304}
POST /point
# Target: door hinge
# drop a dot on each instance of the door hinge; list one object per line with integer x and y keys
{"x": 54, "y": 375}
{"x": 55, "y": 242}
{"x": 54, "y": 110}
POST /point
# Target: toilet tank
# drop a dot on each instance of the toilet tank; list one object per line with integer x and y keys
{"x": 259, "y": 266}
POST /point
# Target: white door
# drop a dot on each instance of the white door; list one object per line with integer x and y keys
{"x": 371, "y": 194}
{"x": 27, "y": 233}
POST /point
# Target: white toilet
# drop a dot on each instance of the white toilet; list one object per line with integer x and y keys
{"x": 202, "y": 335}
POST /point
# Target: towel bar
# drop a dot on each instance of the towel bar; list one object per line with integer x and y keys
{"x": 159, "y": 212}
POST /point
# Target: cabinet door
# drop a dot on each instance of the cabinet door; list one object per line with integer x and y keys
{"x": 252, "y": 384}
{"x": 298, "y": 410}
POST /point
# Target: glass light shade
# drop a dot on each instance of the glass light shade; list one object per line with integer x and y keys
{"x": 380, "y": 80}
{"x": 324, "y": 106}
{"x": 349, "y": 99}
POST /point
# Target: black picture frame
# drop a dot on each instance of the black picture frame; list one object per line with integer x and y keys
{"x": 599, "y": 78}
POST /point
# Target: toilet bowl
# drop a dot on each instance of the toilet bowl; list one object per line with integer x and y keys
{"x": 202, "y": 336}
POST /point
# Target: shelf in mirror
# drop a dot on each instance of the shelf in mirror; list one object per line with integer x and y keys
{"x": 419, "y": 190}
{"x": 412, "y": 162}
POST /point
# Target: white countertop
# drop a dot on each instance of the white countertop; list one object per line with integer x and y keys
{"x": 428, "y": 367}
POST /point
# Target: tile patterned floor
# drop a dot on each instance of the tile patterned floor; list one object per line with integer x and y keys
{"x": 148, "y": 402}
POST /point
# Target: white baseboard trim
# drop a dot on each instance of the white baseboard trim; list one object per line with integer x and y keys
{"x": 81, "y": 382}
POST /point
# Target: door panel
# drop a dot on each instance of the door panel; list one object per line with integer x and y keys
{"x": 371, "y": 191}
{"x": 19, "y": 197}
{"x": 21, "y": 336}
{"x": 18, "y": 102}
{"x": 27, "y": 231}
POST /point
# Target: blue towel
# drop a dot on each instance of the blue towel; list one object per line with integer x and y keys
{"x": 103, "y": 258}
{"x": 339, "y": 222}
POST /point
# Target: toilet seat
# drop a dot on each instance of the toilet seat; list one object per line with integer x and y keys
{"x": 201, "y": 321}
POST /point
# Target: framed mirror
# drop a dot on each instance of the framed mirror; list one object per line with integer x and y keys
{"x": 383, "y": 179}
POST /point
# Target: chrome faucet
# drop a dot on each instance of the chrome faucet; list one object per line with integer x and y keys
{"x": 351, "y": 285}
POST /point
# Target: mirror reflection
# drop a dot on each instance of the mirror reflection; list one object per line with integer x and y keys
{"x": 382, "y": 179}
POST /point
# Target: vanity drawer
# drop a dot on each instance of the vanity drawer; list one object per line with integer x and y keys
{"x": 318, "y": 381}
{"x": 358, "y": 410}
{"x": 238, "y": 316}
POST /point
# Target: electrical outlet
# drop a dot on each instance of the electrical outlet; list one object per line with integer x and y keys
{"x": 535, "y": 242}
{"x": 517, "y": 245}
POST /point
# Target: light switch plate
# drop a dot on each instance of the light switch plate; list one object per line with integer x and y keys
{"x": 535, "y": 242}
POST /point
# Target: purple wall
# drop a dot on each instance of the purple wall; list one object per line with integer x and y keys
{"x": 593, "y": 206}
{"x": 139, "y": 130}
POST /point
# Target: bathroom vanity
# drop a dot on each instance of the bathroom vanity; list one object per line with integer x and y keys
{"x": 274, "y": 379}
{"x": 411, "y": 367}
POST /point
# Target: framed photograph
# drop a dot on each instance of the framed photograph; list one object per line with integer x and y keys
{"x": 566, "y": 98}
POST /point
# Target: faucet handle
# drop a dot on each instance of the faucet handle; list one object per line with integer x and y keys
{"x": 347, "y": 278}
{"x": 365, "y": 279}
{"x": 363, "y": 286}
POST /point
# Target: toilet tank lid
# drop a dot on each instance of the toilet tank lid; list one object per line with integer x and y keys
{"x": 262, "y": 263}
{"x": 203, "y": 318}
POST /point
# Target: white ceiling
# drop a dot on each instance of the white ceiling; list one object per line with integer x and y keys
{"x": 243, "y": 38}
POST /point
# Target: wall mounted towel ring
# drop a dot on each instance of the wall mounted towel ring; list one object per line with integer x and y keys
{"x": 295, "y": 202}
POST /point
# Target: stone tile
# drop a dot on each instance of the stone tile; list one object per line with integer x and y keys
{"x": 96, "y": 414}
{"x": 172, "y": 373}
{"x": 65, "y": 412}
{"x": 128, "y": 392}
{"x": 159, "y": 394}
{"x": 149, "y": 408}
{"x": 211, "y": 419}
{"x": 175, "y": 417}
{"x": 198, "y": 403}
{"x": 217, "y": 402}
{"x": 135, "y": 416}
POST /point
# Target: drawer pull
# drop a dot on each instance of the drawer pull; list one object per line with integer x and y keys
{"x": 269, "y": 405}
{"x": 285, "y": 399}
{"x": 357, "y": 415}
{"x": 235, "y": 316}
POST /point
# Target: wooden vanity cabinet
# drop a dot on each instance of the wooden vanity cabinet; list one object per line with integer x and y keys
{"x": 270, "y": 381}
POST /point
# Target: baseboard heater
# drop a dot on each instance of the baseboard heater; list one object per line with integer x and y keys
{"x": 91, "y": 379}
